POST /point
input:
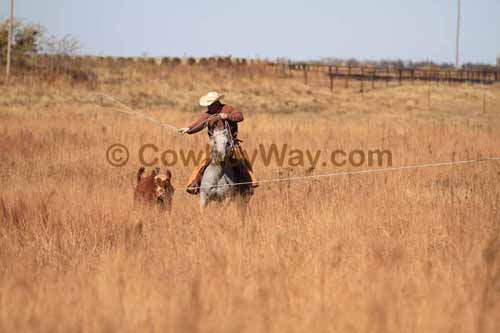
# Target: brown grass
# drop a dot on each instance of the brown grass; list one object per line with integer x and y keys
{"x": 409, "y": 251}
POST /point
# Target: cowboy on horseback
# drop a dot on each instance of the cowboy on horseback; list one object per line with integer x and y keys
{"x": 219, "y": 115}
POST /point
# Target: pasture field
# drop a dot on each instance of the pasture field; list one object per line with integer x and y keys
{"x": 402, "y": 251}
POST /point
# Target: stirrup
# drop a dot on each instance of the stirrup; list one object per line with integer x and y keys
{"x": 193, "y": 190}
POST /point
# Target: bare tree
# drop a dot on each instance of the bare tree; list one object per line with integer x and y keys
{"x": 52, "y": 45}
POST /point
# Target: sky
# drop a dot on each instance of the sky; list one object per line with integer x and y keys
{"x": 295, "y": 29}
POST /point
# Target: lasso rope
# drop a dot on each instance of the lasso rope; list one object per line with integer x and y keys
{"x": 132, "y": 112}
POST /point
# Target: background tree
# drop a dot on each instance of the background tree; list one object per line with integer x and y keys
{"x": 31, "y": 39}
{"x": 26, "y": 38}
{"x": 52, "y": 45}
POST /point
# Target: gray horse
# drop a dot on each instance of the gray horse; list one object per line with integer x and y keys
{"x": 221, "y": 175}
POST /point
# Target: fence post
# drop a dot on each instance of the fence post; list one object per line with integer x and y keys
{"x": 330, "y": 75}
{"x": 361, "y": 87}
{"x": 429, "y": 98}
{"x": 305, "y": 74}
{"x": 347, "y": 77}
{"x": 484, "y": 101}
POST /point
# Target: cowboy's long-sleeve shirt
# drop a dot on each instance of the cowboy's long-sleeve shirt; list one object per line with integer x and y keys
{"x": 233, "y": 116}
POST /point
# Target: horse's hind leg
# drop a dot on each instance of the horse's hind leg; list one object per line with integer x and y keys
{"x": 242, "y": 202}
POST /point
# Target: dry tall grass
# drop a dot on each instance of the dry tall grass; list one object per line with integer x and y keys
{"x": 409, "y": 251}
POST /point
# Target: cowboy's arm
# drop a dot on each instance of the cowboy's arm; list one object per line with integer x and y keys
{"x": 232, "y": 115}
{"x": 198, "y": 125}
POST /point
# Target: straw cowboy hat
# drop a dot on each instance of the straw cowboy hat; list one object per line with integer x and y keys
{"x": 210, "y": 98}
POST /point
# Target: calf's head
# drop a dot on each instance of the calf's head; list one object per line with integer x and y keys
{"x": 162, "y": 186}
{"x": 156, "y": 187}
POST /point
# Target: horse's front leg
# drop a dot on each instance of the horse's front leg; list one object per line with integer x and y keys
{"x": 203, "y": 199}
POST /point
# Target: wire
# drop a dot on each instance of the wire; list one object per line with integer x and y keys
{"x": 298, "y": 178}
{"x": 348, "y": 173}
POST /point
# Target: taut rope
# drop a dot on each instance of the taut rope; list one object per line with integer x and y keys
{"x": 348, "y": 173}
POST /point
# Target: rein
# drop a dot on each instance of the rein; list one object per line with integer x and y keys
{"x": 230, "y": 135}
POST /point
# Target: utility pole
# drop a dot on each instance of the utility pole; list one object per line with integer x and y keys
{"x": 9, "y": 43}
{"x": 498, "y": 68}
{"x": 458, "y": 36}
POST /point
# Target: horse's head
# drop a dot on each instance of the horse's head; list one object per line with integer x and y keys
{"x": 221, "y": 145}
